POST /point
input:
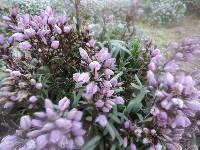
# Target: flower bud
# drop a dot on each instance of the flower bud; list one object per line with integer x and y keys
{"x": 119, "y": 100}
{"x": 38, "y": 86}
{"x": 94, "y": 66}
{"x": 55, "y": 44}
{"x": 33, "y": 99}
{"x": 133, "y": 147}
{"x": 84, "y": 54}
{"x": 67, "y": 29}
{"x": 72, "y": 113}
{"x": 33, "y": 82}
{"x": 102, "y": 120}
{"x": 55, "y": 136}
{"x": 79, "y": 141}
{"x": 25, "y": 122}
{"x": 41, "y": 141}
{"x": 57, "y": 29}
{"x": 1, "y": 39}
{"x": 48, "y": 104}
{"x": 18, "y": 37}
{"x": 63, "y": 103}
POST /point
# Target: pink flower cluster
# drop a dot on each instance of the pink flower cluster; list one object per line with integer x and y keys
{"x": 16, "y": 88}
{"x": 98, "y": 81}
{"x": 176, "y": 100}
{"x": 187, "y": 49}
{"x": 56, "y": 128}
{"x": 40, "y": 33}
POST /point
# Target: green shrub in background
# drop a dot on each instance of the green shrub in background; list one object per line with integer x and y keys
{"x": 193, "y": 6}
{"x": 165, "y": 12}
{"x": 35, "y": 6}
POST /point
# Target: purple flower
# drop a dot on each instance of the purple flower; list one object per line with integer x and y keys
{"x": 178, "y": 102}
{"x": 14, "y": 11}
{"x": 41, "y": 141}
{"x": 171, "y": 66}
{"x": 57, "y": 29}
{"x": 193, "y": 105}
{"x": 125, "y": 142}
{"x": 84, "y": 55}
{"x": 62, "y": 131}
{"x": 152, "y": 66}
{"x": 79, "y": 141}
{"x": 67, "y": 29}
{"x": 38, "y": 86}
{"x": 9, "y": 142}
{"x": 133, "y": 146}
{"x": 94, "y": 66}
{"x": 102, "y": 120}
{"x": 33, "y": 99}
{"x": 168, "y": 79}
{"x": 91, "y": 88}
{"x": 25, "y": 45}
{"x": 151, "y": 78}
{"x": 181, "y": 120}
{"x": 108, "y": 73}
{"x": 6, "y": 18}
{"x": 103, "y": 55}
{"x": 49, "y": 11}
{"x": 119, "y": 100}
{"x": 51, "y": 20}
{"x": 63, "y": 103}
{"x": 19, "y": 37}
{"x": 162, "y": 118}
{"x": 109, "y": 63}
{"x": 81, "y": 78}
{"x": 1, "y": 39}
{"x": 55, "y": 44}
{"x": 92, "y": 43}
{"x": 25, "y": 122}
{"x": 179, "y": 56}
{"x": 99, "y": 103}
{"x": 63, "y": 19}
{"x": 156, "y": 52}
{"x": 30, "y": 32}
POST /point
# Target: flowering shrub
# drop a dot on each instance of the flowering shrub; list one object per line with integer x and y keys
{"x": 120, "y": 97}
{"x": 164, "y": 12}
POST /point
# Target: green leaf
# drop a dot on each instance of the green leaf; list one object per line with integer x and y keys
{"x": 91, "y": 144}
{"x": 122, "y": 116}
{"x": 135, "y": 104}
{"x": 138, "y": 80}
{"x": 135, "y": 86}
{"x": 118, "y": 75}
{"x": 119, "y": 47}
{"x": 115, "y": 118}
{"x": 114, "y": 133}
{"x": 111, "y": 130}
{"x": 114, "y": 146}
{"x": 77, "y": 98}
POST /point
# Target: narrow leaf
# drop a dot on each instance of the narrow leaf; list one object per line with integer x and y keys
{"x": 91, "y": 145}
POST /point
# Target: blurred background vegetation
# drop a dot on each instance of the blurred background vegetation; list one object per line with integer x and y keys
{"x": 161, "y": 20}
